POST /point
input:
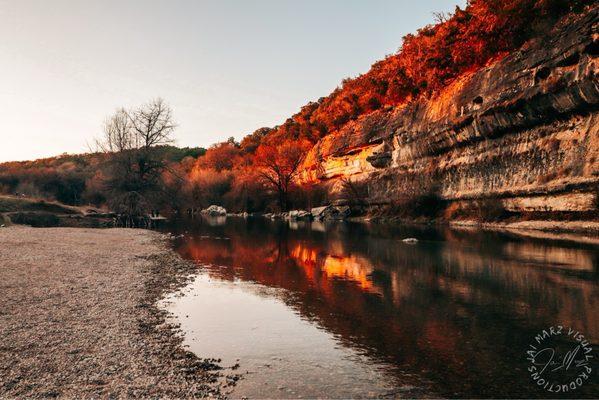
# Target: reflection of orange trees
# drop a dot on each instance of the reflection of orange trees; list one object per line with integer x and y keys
{"x": 227, "y": 253}
{"x": 272, "y": 262}
{"x": 470, "y": 275}
{"x": 350, "y": 268}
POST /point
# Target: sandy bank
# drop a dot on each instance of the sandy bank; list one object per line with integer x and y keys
{"x": 78, "y": 316}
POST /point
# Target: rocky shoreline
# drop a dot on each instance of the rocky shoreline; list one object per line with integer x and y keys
{"x": 344, "y": 213}
{"x": 80, "y": 319}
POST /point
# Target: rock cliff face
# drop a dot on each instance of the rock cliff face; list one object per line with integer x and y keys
{"x": 524, "y": 130}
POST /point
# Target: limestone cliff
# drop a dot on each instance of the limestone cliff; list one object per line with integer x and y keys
{"x": 525, "y": 129}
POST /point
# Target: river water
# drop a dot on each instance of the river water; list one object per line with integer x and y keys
{"x": 345, "y": 310}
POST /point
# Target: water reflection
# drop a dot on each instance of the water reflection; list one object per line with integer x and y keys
{"x": 454, "y": 313}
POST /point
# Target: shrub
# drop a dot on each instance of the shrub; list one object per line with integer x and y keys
{"x": 454, "y": 210}
{"x": 355, "y": 192}
{"x": 4, "y": 220}
{"x": 428, "y": 205}
{"x": 36, "y": 219}
{"x": 491, "y": 210}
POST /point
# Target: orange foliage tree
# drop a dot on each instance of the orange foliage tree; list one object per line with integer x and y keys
{"x": 277, "y": 164}
{"x": 220, "y": 156}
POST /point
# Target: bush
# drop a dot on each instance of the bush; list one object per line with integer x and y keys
{"x": 491, "y": 210}
{"x": 308, "y": 196}
{"x": 4, "y": 220}
{"x": 35, "y": 219}
{"x": 455, "y": 210}
{"x": 428, "y": 205}
{"x": 355, "y": 192}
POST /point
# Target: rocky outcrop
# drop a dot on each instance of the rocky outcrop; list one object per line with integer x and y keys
{"x": 525, "y": 130}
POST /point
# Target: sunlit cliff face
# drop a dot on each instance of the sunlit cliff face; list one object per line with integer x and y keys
{"x": 353, "y": 163}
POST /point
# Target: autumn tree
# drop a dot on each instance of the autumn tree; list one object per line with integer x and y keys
{"x": 208, "y": 186}
{"x": 220, "y": 156}
{"x": 250, "y": 143}
{"x": 278, "y": 163}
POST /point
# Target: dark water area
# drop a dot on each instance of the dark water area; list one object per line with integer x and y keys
{"x": 350, "y": 310}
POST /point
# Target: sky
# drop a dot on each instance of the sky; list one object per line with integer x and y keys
{"x": 226, "y": 67}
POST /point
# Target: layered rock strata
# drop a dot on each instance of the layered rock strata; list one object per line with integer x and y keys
{"x": 524, "y": 130}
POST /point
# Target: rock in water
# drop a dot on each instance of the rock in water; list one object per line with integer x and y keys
{"x": 330, "y": 212}
{"x": 214, "y": 211}
{"x": 299, "y": 215}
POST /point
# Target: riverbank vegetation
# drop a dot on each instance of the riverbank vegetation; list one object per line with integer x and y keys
{"x": 136, "y": 169}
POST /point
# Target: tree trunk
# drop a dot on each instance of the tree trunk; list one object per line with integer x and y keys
{"x": 282, "y": 202}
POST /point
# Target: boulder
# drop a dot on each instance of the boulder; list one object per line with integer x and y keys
{"x": 319, "y": 213}
{"x": 214, "y": 211}
{"x": 299, "y": 215}
{"x": 343, "y": 212}
{"x": 274, "y": 216}
{"x": 330, "y": 212}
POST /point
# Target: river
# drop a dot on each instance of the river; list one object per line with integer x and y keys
{"x": 341, "y": 310}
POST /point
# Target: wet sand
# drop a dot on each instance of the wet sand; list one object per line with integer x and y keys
{"x": 79, "y": 316}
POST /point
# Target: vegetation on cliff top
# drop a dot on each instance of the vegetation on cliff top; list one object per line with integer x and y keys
{"x": 257, "y": 173}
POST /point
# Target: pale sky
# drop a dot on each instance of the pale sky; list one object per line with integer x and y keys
{"x": 225, "y": 67}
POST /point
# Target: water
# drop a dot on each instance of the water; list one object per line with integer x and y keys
{"x": 349, "y": 310}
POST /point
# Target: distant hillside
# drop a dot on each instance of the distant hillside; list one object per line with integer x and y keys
{"x": 70, "y": 178}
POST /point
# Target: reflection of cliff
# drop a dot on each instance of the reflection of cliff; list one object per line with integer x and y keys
{"x": 350, "y": 268}
{"x": 429, "y": 307}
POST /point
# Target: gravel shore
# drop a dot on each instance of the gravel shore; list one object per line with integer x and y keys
{"x": 79, "y": 316}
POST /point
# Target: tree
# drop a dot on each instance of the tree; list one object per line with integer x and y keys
{"x": 208, "y": 186}
{"x": 278, "y": 164}
{"x": 152, "y": 124}
{"x": 220, "y": 156}
{"x": 250, "y": 143}
{"x": 118, "y": 133}
{"x": 130, "y": 139}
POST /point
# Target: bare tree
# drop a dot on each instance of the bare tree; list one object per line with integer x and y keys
{"x": 140, "y": 128}
{"x": 441, "y": 17}
{"x": 355, "y": 192}
{"x": 153, "y": 124}
{"x": 134, "y": 164}
{"x": 118, "y": 133}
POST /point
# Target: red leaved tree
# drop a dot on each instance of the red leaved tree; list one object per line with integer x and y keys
{"x": 278, "y": 163}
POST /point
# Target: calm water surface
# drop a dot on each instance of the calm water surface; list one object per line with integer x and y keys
{"x": 349, "y": 310}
